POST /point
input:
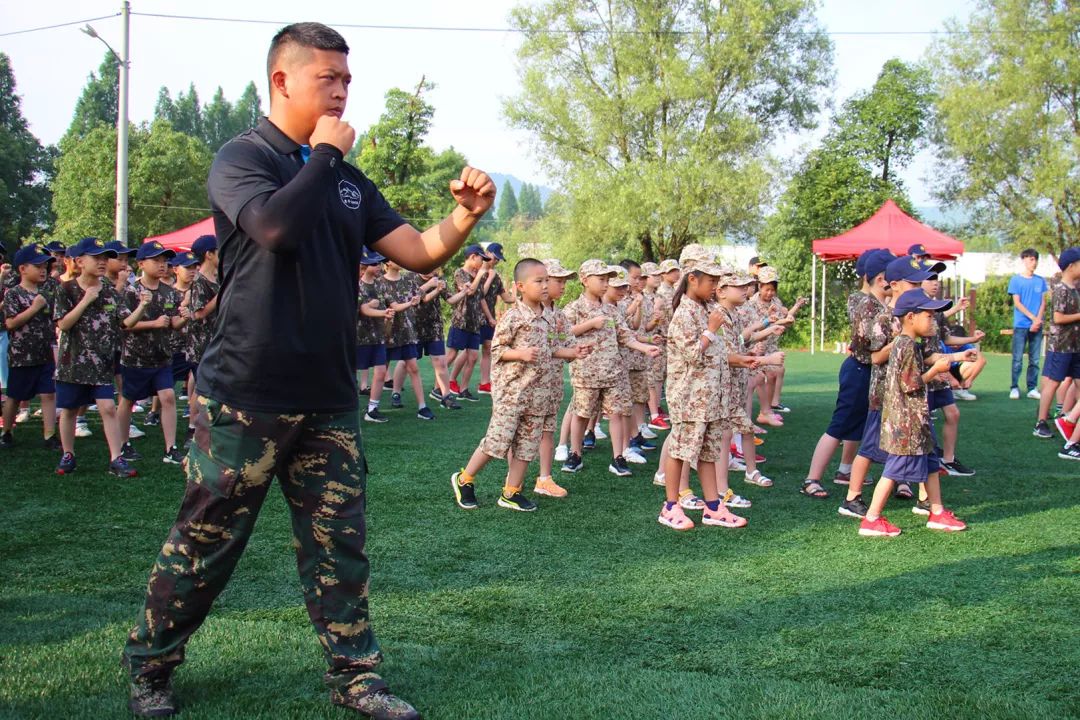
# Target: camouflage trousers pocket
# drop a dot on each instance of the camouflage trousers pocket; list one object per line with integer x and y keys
{"x": 210, "y": 474}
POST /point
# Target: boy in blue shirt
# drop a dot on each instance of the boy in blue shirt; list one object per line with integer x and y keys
{"x": 1028, "y": 292}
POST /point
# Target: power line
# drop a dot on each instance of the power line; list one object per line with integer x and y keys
{"x": 58, "y": 25}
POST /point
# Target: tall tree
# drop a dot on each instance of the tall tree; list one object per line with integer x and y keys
{"x": 532, "y": 207}
{"x": 24, "y": 167}
{"x": 218, "y": 121}
{"x": 1010, "y": 119}
{"x": 98, "y": 103}
{"x": 508, "y": 204}
{"x": 248, "y": 109}
{"x": 659, "y": 114}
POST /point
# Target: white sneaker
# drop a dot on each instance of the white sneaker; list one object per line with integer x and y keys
{"x": 82, "y": 430}
{"x": 646, "y": 432}
{"x": 182, "y": 398}
{"x": 633, "y": 456}
{"x": 962, "y": 394}
{"x": 659, "y": 479}
{"x": 735, "y": 464}
{"x": 134, "y": 432}
{"x": 23, "y": 416}
{"x": 1014, "y": 394}
{"x": 137, "y": 408}
{"x": 562, "y": 453}
{"x": 92, "y": 408}
{"x": 1034, "y": 394}
{"x": 599, "y": 432}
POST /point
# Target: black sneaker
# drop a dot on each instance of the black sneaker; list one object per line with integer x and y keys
{"x": 450, "y": 402}
{"x": 374, "y": 416}
{"x": 186, "y": 414}
{"x": 921, "y": 508}
{"x": 395, "y": 401}
{"x": 120, "y": 468}
{"x": 52, "y": 443}
{"x": 781, "y": 408}
{"x": 6, "y": 440}
{"x": 67, "y": 464}
{"x": 173, "y": 456}
{"x": 466, "y": 395}
{"x": 1042, "y": 430}
{"x": 129, "y": 453}
{"x": 152, "y": 418}
{"x": 642, "y": 444}
{"x": 956, "y": 468}
{"x": 380, "y": 705}
{"x": 855, "y": 508}
{"x": 436, "y": 394}
{"x": 573, "y": 463}
{"x": 464, "y": 495}
{"x": 589, "y": 441}
{"x": 425, "y": 413}
{"x": 619, "y": 467}
{"x": 366, "y": 392}
{"x": 152, "y": 698}
{"x": 1070, "y": 452}
{"x": 517, "y": 501}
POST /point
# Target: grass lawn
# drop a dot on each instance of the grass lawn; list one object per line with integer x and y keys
{"x": 587, "y": 608}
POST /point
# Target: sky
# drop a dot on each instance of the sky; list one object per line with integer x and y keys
{"x": 474, "y": 72}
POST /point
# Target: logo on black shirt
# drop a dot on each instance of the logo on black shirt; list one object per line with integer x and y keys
{"x": 350, "y": 194}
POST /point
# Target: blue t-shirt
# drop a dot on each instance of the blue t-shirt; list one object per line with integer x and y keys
{"x": 1031, "y": 291}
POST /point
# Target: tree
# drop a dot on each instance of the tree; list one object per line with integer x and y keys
{"x": 24, "y": 168}
{"x": 659, "y": 114}
{"x": 247, "y": 110}
{"x": 530, "y": 203}
{"x": 508, "y": 204}
{"x": 214, "y": 123}
{"x": 1009, "y": 108}
{"x": 99, "y": 101}
{"x": 184, "y": 114}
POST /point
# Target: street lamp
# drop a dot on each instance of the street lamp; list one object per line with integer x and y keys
{"x": 123, "y": 61}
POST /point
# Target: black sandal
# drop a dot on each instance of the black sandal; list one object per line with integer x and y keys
{"x": 903, "y": 491}
{"x": 820, "y": 494}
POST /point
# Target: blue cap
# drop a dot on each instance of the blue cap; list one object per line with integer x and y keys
{"x": 1068, "y": 257}
{"x": 907, "y": 268}
{"x": 496, "y": 250}
{"x": 152, "y": 249}
{"x": 475, "y": 250}
{"x": 89, "y": 246}
{"x": 204, "y": 244}
{"x": 916, "y": 300}
{"x": 370, "y": 257}
{"x": 184, "y": 259}
{"x": 119, "y": 248}
{"x": 935, "y": 267}
{"x": 918, "y": 249}
{"x": 31, "y": 255}
{"x": 54, "y": 246}
{"x": 876, "y": 263}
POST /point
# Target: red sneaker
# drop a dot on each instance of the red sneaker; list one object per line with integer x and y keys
{"x": 735, "y": 453}
{"x": 659, "y": 423}
{"x": 1065, "y": 427}
{"x": 484, "y": 388}
{"x": 878, "y": 528}
{"x": 454, "y": 388}
{"x": 945, "y": 521}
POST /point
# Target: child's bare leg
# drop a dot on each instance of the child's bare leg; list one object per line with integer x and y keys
{"x": 167, "y": 401}
{"x": 933, "y": 492}
{"x": 477, "y": 462}
{"x": 949, "y": 431}
{"x": 378, "y": 379}
{"x": 617, "y": 430}
{"x": 882, "y": 491}
{"x": 778, "y": 386}
{"x": 109, "y": 423}
{"x": 442, "y": 377}
{"x": 1048, "y": 392}
{"x": 48, "y": 414}
{"x": 547, "y": 452}
{"x": 860, "y": 468}
{"x": 823, "y": 453}
{"x": 67, "y": 429}
{"x": 413, "y": 369}
{"x": 672, "y": 474}
{"x": 577, "y": 433}
{"x": 123, "y": 418}
{"x": 654, "y": 400}
{"x": 11, "y": 408}
{"x": 515, "y": 478}
{"x": 567, "y": 421}
{"x": 707, "y": 477}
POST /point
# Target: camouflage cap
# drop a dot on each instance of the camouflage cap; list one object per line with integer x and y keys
{"x": 619, "y": 280}
{"x": 767, "y": 274}
{"x": 668, "y": 265}
{"x": 697, "y": 258}
{"x": 556, "y": 270}
{"x": 649, "y": 269}
{"x": 734, "y": 278}
{"x": 594, "y": 267}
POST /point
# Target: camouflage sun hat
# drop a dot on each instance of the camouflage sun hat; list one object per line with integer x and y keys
{"x": 767, "y": 274}
{"x": 556, "y": 270}
{"x": 594, "y": 267}
{"x": 619, "y": 279}
{"x": 650, "y": 269}
{"x": 668, "y": 265}
{"x": 734, "y": 278}
{"x": 697, "y": 258}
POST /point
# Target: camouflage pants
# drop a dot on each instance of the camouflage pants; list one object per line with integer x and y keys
{"x": 319, "y": 461}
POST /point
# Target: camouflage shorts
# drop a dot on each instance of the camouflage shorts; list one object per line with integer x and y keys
{"x": 738, "y": 421}
{"x": 658, "y": 368}
{"x": 697, "y": 442}
{"x": 639, "y": 386}
{"x": 511, "y": 430}
{"x": 589, "y": 402}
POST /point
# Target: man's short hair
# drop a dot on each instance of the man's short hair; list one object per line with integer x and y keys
{"x": 305, "y": 34}
{"x": 1030, "y": 252}
{"x": 629, "y": 264}
{"x": 524, "y": 266}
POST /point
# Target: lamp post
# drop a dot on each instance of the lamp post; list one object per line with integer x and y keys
{"x": 122, "y": 61}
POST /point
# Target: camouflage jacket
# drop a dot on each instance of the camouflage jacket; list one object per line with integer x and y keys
{"x": 733, "y": 343}
{"x": 884, "y": 328}
{"x": 1064, "y": 338}
{"x": 696, "y": 377}
{"x": 905, "y": 417}
{"x": 371, "y": 330}
{"x": 634, "y": 359}
{"x": 32, "y": 343}
{"x": 429, "y": 322}
{"x": 402, "y": 329}
{"x": 467, "y": 314}
{"x": 863, "y": 312}
{"x": 491, "y": 297}
{"x": 936, "y": 344}
{"x": 519, "y": 384}
{"x": 87, "y": 350}
{"x": 199, "y": 332}
{"x": 562, "y": 337}
{"x": 602, "y": 367}
{"x": 150, "y": 348}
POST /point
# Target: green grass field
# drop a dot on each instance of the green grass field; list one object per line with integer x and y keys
{"x": 587, "y": 608}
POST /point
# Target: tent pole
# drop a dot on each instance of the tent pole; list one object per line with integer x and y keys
{"x": 813, "y": 299}
{"x": 824, "y": 295}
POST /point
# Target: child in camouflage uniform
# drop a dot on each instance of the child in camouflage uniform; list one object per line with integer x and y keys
{"x": 27, "y": 317}
{"x": 636, "y": 309}
{"x": 464, "y": 339}
{"x": 403, "y": 293}
{"x": 373, "y": 315}
{"x": 524, "y": 345}
{"x": 429, "y": 334}
{"x": 657, "y": 318}
{"x": 201, "y": 309}
{"x": 492, "y": 290}
{"x": 91, "y": 315}
{"x": 1063, "y": 337}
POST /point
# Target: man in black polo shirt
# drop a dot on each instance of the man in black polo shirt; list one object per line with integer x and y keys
{"x": 277, "y": 386}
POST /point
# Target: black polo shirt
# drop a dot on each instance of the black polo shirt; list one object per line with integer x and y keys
{"x": 286, "y": 335}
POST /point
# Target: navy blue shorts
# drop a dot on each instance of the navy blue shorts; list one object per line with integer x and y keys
{"x": 181, "y": 367}
{"x": 71, "y": 396}
{"x": 141, "y": 383}
{"x": 487, "y": 333}
{"x": 458, "y": 339}
{"x": 870, "y": 448}
{"x": 1060, "y": 365}
{"x": 852, "y": 401}
{"x": 910, "y": 468}
{"x": 432, "y": 348}
{"x": 116, "y": 363}
{"x": 403, "y": 352}
{"x": 940, "y": 398}
{"x": 26, "y": 383}
{"x": 369, "y": 356}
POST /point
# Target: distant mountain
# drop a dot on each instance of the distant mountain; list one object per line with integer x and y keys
{"x": 499, "y": 179}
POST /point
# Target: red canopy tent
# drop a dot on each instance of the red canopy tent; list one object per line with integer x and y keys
{"x": 181, "y": 239}
{"x": 890, "y": 227}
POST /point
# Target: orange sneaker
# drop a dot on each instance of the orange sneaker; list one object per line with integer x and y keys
{"x": 547, "y": 486}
